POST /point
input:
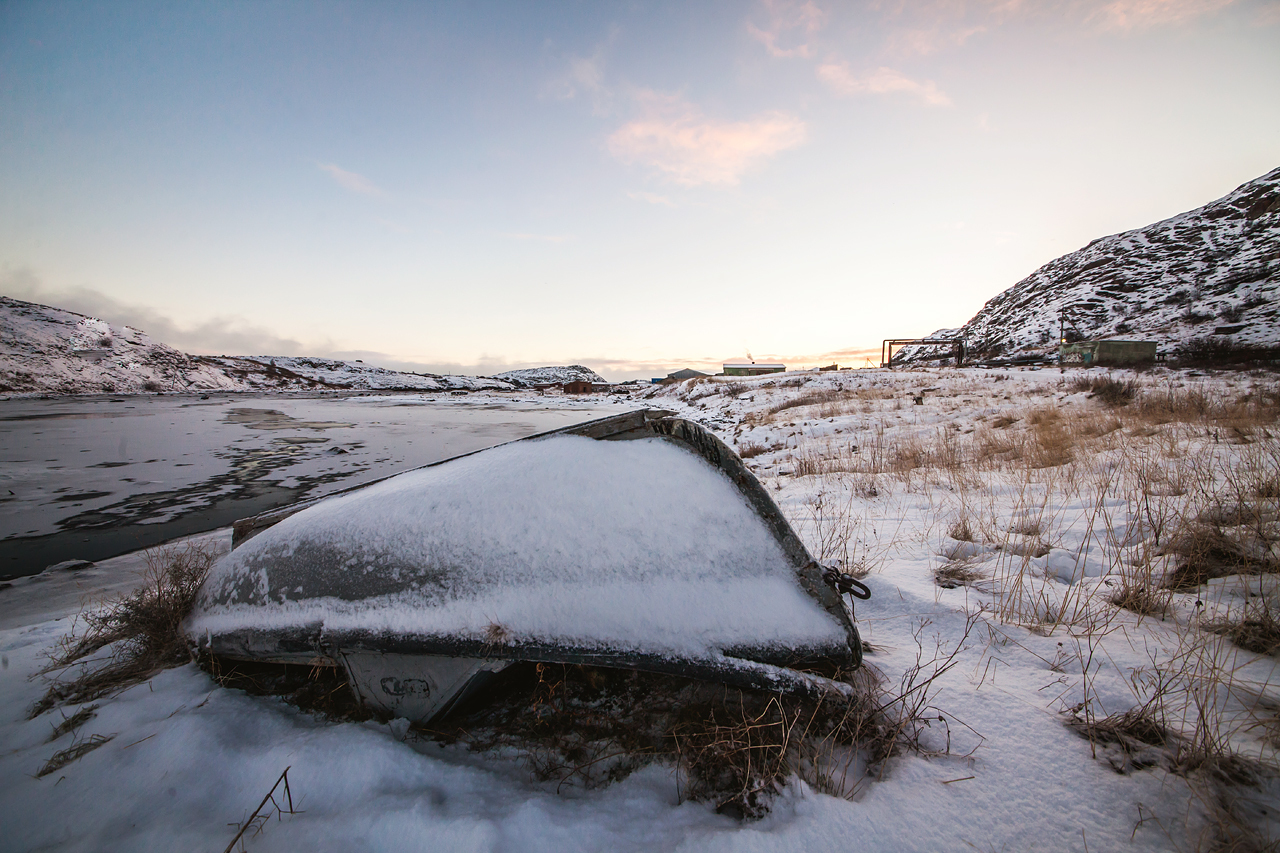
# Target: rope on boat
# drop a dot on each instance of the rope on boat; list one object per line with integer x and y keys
{"x": 843, "y": 583}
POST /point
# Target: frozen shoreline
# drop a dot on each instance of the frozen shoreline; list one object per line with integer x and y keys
{"x": 92, "y": 478}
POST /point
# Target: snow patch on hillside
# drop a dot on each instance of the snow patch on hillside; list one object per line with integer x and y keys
{"x": 45, "y": 350}
{"x": 48, "y": 350}
{"x": 1210, "y": 274}
{"x": 551, "y": 375}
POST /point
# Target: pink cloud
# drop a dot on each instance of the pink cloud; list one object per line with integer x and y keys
{"x": 1136, "y": 14}
{"x": 675, "y": 139}
{"x": 785, "y": 17}
{"x": 881, "y": 81}
{"x": 652, "y": 198}
{"x": 351, "y": 181}
{"x": 540, "y": 238}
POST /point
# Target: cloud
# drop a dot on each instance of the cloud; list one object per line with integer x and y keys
{"x": 882, "y": 81}
{"x": 652, "y": 198}
{"x": 1137, "y": 14}
{"x": 584, "y": 76}
{"x": 225, "y": 335}
{"x": 786, "y": 17}
{"x": 924, "y": 41}
{"x": 542, "y": 238}
{"x": 676, "y": 140}
{"x": 351, "y": 181}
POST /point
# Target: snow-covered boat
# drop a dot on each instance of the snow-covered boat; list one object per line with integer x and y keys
{"x": 637, "y": 541}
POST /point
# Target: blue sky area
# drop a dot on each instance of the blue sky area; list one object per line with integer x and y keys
{"x": 635, "y": 186}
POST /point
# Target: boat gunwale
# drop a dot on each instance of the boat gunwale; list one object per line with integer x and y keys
{"x": 304, "y": 644}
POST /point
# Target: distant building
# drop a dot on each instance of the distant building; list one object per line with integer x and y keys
{"x": 752, "y": 368}
{"x": 687, "y": 373}
{"x": 578, "y": 387}
{"x": 1107, "y": 353}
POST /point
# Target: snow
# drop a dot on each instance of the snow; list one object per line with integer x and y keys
{"x": 354, "y": 375}
{"x": 639, "y": 545}
{"x": 46, "y": 350}
{"x": 188, "y": 759}
{"x": 551, "y": 375}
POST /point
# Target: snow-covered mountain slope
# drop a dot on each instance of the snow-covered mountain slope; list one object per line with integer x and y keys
{"x": 1208, "y": 274}
{"x": 48, "y": 350}
{"x": 328, "y": 373}
{"x": 545, "y": 375}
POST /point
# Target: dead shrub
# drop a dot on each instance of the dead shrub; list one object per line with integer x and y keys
{"x": 1109, "y": 391}
{"x": 955, "y": 574}
{"x": 1041, "y": 416}
{"x": 735, "y": 748}
{"x": 1028, "y": 527}
{"x": 1053, "y": 443}
{"x": 143, "y": 629}
{"x": 318, "y": 689}
{"x": 751, "y": 449}
{"x": 1137, "y": 738}
{"x": 961, "y": 530}
{"x": 1256, "y": 629}
{"x": 1207, "y": 551}
{"x": 1143, "y": 599}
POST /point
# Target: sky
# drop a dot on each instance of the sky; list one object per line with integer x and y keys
{"x": 634, "y": 186}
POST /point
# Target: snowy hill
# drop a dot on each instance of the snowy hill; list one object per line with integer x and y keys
{"x": 546, "y": 375}
{"x": 293, "y": 372}
{"x": 46, "y": 350}
{"x": 1208, "y": 275}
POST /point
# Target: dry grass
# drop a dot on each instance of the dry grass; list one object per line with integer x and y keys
{"x": 1206, "y": 550}
{"x": 75, "y": 721}
{"x": 142, "y": 632}
{"x": 320, "y": 689}
{"x": 956, "y": 574}
{"x": 72, "y": 753}
{"x": 733, "y": 748}
{"x": 1143, "y": 599}
{"x": 1107, "y": 390}
{"x": 961, "y": 530}
{"x": 1138, "y": 739}
{"x": 1256, "y": 628}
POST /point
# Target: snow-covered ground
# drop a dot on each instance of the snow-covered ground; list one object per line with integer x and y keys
{"x": 997, "y": 512}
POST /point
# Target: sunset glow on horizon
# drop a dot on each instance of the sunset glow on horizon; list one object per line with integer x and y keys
{"x": 636, "y": 187}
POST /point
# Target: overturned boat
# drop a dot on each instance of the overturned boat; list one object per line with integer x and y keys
{"x": 638, "y": 541}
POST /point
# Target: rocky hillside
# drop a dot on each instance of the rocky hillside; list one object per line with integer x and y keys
{"x": 1203, "y": 280}
{"x": 304, "y": 372}
{"x": 46, "y": 350}
{"x": 548, "y": 375}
